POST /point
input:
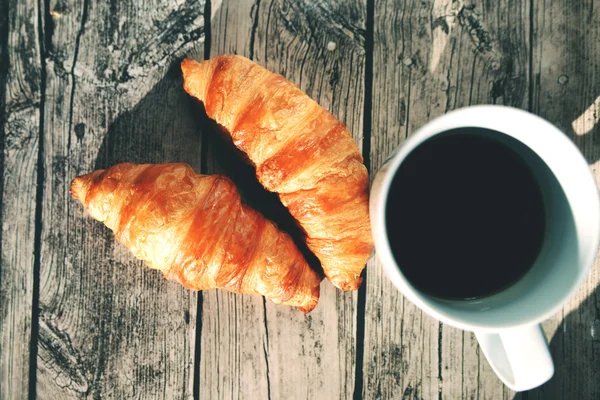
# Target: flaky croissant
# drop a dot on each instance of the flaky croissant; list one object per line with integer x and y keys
{"x": 299, "y": 150}
{"x": 196, "y": 231}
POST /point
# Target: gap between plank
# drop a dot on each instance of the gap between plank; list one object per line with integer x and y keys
{"x": 207, "y": 42}
{"x": 196, "y": 378}
{"x": 266, "y": 347}
{"x": 44, "y": 22}
{"x": 440, "y": 377}
{"x": 366, "y": 150}
{"x": 530, "y": 94}
{"x": 203, "y": 168}
{"x": 4, "y": 67}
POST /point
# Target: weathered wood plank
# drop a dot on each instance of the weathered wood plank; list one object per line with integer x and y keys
{"x": 20, "y": 93}
{"x": 233, "y": 364}
{"x": 113, "y": 329}
{"x": 252, "y": 348}
{"x": 566, "y": 91}
{"x": 431, "y": 57}
{"x": 109, "y": 327}
{"x": 320, "y": 46}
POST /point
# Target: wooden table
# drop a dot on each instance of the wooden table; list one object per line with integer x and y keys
{"x": 84, "y": 85}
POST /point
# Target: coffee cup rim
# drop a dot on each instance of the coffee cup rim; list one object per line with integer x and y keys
{"x": 487, "y": 116}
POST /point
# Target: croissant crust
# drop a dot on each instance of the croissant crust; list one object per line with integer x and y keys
{"x": 195, "y": 230}
{"x": 299, "y": 150}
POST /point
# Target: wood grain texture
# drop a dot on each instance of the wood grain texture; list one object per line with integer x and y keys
{"x": 100, "y": 82}
{"x": 20, "y": 93}
{"x": 566, "y": 92}
{"x": 431, "y": 57}
{"x": 108, "y": 326}
{"x": 252, "y": 348}
{"x": 320, "y": 47}
{"x": 233, "y": 363}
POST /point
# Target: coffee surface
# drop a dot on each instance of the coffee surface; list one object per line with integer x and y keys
{"x": 465, "y": 215}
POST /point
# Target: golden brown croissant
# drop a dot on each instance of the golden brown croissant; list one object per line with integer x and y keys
{"x": 299, "y": 150}
{"x": 197, "y": 232}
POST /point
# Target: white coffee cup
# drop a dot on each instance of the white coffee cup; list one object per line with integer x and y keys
{"x": 507, "y": 323}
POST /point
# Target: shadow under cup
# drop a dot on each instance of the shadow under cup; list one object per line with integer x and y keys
{"x": 555, "y": 274}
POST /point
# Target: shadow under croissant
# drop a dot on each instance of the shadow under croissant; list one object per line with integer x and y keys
{"x": 168, "y": 126}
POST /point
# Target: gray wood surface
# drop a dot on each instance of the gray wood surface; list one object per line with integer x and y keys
{"x": 566, "y": 91}
{"x": 84, "y": 85}
{"x": 20, "y": 93}
{"x": 257, "y": 349}
{"x": 108, "y": 326}
{"x": 234, "y": 360}
{"x": 321, "y": 48}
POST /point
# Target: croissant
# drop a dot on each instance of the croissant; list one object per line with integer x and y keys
{"x": 195, "y": 230}
{"x": 299, "y": 150}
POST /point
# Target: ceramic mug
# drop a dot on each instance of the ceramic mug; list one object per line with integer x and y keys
{"x": 506, "y": 324}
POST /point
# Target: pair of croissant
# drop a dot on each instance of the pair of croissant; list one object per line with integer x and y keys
{"x": 194, "y": 227}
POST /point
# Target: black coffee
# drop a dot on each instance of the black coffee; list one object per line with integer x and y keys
{"x": 465, "y": 214}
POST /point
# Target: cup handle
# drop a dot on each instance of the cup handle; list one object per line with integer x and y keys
{"x": 519, "y": 356}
